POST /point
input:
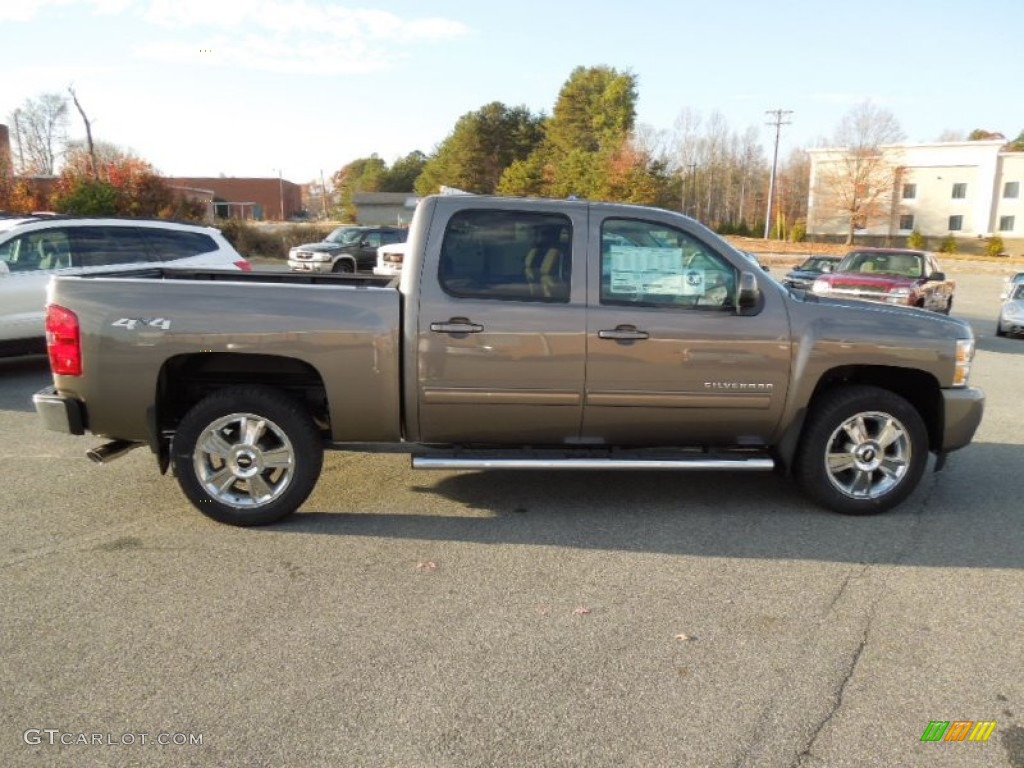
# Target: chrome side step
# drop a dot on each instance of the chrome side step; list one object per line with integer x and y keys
{"x": 738, "y": 463}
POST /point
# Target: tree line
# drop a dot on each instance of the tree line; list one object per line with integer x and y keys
{"x": 589, "y": 146}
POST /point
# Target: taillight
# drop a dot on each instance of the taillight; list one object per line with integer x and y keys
{"x": 244, "y": 265}
{"x": 63, "y": 341}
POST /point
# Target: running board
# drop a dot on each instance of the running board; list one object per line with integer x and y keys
{"x": 742, "y": 463}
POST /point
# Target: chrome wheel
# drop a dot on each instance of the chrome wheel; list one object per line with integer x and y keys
{"x": 244, "y": 460}
{"x": 868, "y": 455}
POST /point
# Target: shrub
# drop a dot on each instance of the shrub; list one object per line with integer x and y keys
{"x": 87, "y": 197}
{"x": 916, "y": 239}
{"x": 994, "y": 246}
{"x": 798, "y": 233}
{"x": 252, "y": 239}
{"x": 948, "y": 245}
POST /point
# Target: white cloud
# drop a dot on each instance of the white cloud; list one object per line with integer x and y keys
{"x": 26, "y": 10}
{"x": 290, "y": 36}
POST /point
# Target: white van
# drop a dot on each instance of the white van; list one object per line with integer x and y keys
{"x": 389, "y": 259}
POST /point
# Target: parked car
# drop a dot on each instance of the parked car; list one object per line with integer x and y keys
{"x": 1009, "y": 283}
{"x": 389, "y": 259}
{"x": 890, "y": 275}
{"x": 804, "y": 275}
{"x": 523, "y": 334}
{"x": 1011, "y": 314}
{"x": 346, "y": 249}
{"x": 34, "y": 248}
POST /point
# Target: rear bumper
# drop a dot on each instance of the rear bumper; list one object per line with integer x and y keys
{"x": 60, "y": 413}
{"x": 962, "y": 411}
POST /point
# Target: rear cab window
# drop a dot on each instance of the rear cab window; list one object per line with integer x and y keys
{"x": 507, "y": 256}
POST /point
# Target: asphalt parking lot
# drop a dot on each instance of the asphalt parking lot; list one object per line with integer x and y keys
{"x": 499, "y": 619}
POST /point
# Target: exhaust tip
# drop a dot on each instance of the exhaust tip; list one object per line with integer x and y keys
{"x": 107, "y": 452}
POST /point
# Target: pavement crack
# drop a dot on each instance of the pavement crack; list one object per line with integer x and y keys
{"x": 837, "y": 700}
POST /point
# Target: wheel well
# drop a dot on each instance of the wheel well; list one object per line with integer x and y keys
{"x": 186, "y": 379}
{"x": 919, "y": 388}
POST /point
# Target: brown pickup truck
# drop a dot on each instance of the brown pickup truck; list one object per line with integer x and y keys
{"x": 522, "y": 333}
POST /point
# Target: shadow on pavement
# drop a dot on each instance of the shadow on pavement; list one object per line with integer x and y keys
{"x": 964, "y": 516}
{"x": 22, "y": 378}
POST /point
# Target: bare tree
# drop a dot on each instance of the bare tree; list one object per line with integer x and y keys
{"x": 41, "y": 127}
{"x": 88, "y": 132}
{"x": 856, "y": 181}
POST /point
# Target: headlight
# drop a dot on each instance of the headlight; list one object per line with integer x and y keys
{"x": 820, "y": 286}
{"x": 901, "y": 292}
{"x": 964, "y": 356}
{"x": 1013, "y": 311}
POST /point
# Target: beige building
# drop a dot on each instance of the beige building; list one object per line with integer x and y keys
{"x": 970, "y": 189}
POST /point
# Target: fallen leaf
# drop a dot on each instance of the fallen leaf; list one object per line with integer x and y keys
{"x": 681, "y": 636}
{"x": 428, "y": 565}
{"x": 582, "y": 611}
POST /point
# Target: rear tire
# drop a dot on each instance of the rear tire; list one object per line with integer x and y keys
{"x": 247, "y": 455}
{"x": 863, "y": 450}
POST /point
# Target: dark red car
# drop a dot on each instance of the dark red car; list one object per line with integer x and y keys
{"x": 889, "y": 275}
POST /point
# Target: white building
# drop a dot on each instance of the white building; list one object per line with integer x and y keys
{"x": 970, "y": 189}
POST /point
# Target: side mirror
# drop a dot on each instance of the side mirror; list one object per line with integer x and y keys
{"x": 749, "y": 293}
{"x": 766, "y": 268}
{"x": 937, "y": 276}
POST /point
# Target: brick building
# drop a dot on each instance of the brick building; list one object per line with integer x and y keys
{"x": 246, "y": 198}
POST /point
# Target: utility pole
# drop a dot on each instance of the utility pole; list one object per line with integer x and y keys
{"x": 280, "y": 190}
{"x": 779, "y": 121}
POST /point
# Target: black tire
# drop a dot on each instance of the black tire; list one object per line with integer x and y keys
{"x": 343, "y": 266}
{"x": 247, "y": 455}
{"x": 885, "y": 459}
{"x": 949, "y": 306}
{"x": 999, "y": 330}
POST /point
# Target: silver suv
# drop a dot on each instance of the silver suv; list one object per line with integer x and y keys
{"x": 32, "y": 248}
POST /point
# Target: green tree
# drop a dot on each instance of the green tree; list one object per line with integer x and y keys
{"x": 365, "y": 174}
{"x": 980, "y": 134}
{"x": 595, "y": 111}
{"x": 85, "y": 196}
{"x": 916, "y": 239}
{"x": 480, "y": 147}
{"x": 402, "y": 175}
{"x": 1017, "y": 145}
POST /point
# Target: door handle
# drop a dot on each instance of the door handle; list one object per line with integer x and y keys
{"x": 624, "y": 333}
{"x": 456, "y": 325}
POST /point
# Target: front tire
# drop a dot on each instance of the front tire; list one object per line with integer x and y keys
{"x": 863, "y": 450}
{"x": 247, "y": 455}
{"x": 999, "y": 330}
{"x": 343, "y": 266}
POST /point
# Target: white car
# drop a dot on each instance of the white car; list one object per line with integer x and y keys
{"x": 1009, "y": 283}
{"x": 389, "y": 259}
{"x": 33, "y": 248}
{"x": 1011, "y": 314}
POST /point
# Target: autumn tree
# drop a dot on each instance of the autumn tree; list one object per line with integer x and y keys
{"x": 483, "y": 144}
{"x": 39, "y": 134}
{"x": 120, "y": 183}
{"x": 855, "y": 181}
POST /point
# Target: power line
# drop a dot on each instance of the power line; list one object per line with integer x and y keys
{"x": 779, "y": 115}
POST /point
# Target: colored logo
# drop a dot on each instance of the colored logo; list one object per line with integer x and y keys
{"x": 958, "y": 730}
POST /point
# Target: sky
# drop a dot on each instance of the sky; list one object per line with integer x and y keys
{"x": 302, "y": 87}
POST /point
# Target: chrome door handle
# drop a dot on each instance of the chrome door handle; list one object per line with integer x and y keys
{"x": 624, "y": 333}
{"x": 456, "y": 325}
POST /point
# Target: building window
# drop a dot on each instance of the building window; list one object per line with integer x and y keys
{"x": 956, "y": 223}
{"x": 1006, "y": 223}
{"x": 906, "y": 221}
{"x": 1011, "y": 189}
{"x": 909, "y": 191}
{"x": 959, "y": 191}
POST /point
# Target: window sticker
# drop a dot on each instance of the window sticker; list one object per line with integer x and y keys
{"x": 653, "y": 271}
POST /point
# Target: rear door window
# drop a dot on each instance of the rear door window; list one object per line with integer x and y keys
{"x": 109, "y": 247}
{"x": 40, "y": 251}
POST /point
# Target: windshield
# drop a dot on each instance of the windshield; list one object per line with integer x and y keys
{"x": 344, "y": 235}
{"x": 816, "y": 263}
{"x": 880, "y": 262}
{"x": 1018, "y": 292}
